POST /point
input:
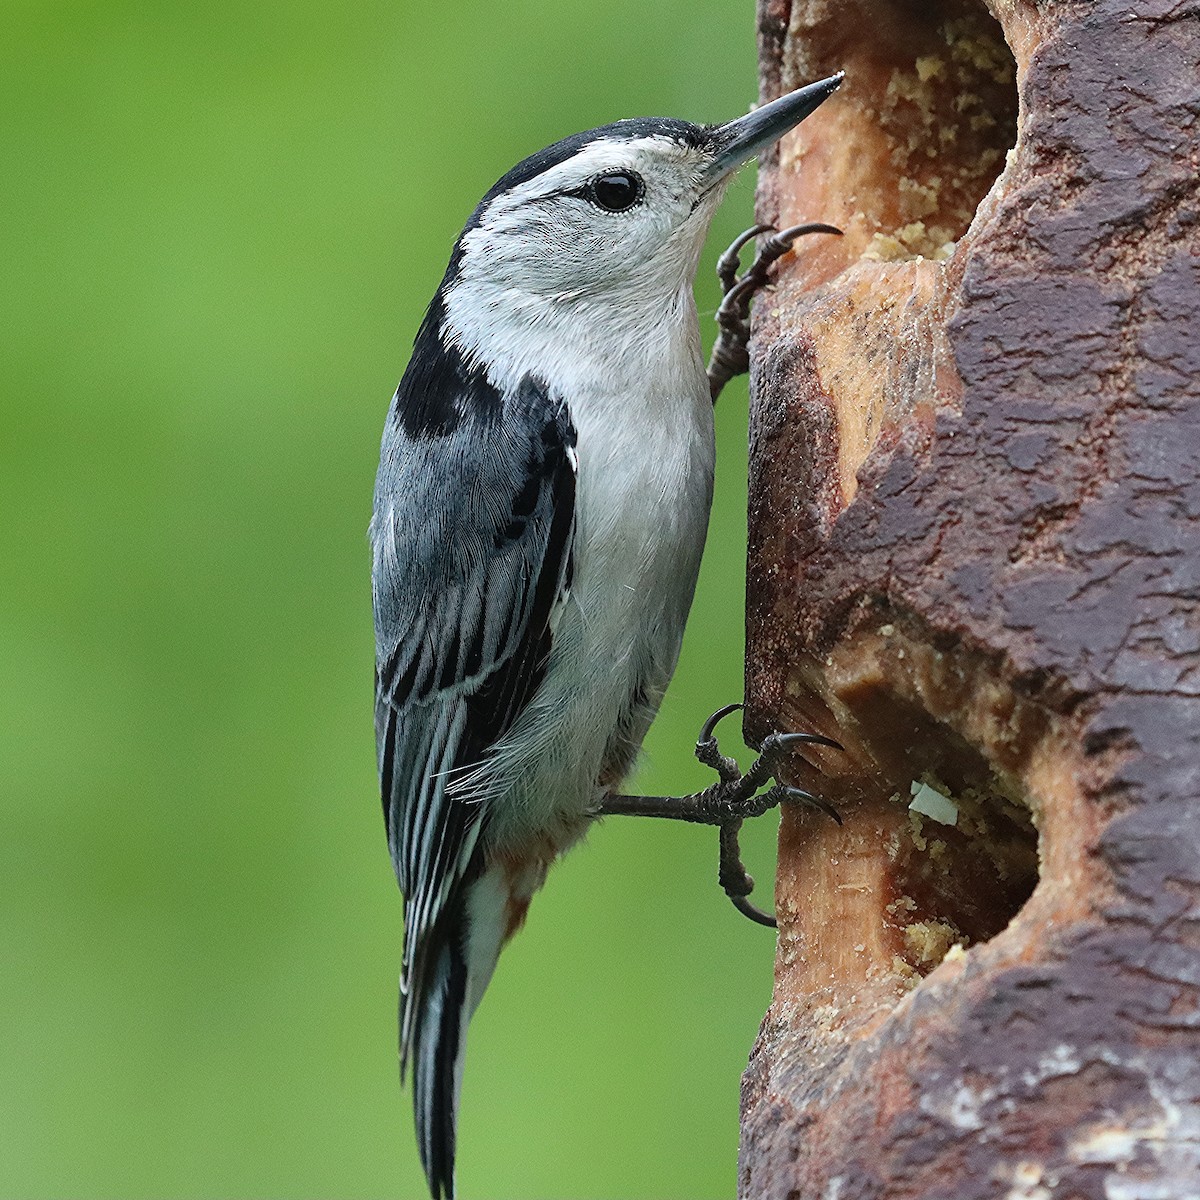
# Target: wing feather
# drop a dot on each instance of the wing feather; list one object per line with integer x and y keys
{"x": 471, "y": 554}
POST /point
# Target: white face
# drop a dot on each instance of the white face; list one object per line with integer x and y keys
{"x": 619, "y": 216}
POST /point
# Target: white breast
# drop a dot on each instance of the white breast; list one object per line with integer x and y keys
{"x": 643, "y": 495}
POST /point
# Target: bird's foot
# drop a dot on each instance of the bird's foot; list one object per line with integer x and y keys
{"x": 735, "y": 797}
{"x": 731, "y": 351}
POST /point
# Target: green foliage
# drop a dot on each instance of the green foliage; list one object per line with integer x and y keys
{"x": 221, "y": 225}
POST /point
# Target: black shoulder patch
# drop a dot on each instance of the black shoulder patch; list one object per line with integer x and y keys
{"x": 440, "y": 387}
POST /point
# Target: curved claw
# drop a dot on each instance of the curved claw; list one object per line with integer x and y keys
{"x": 780, "y": 243}
{"x": 799, "y": 796}
{"x": 735, "y": 879}
{"x": 789, "y": 235}
{"x": 730, "y": 260}
{"x": 779, "y": 741}
{"x": 735, "y": 305}
{"x": 754, "y": 912}
{"x": 709, "y": 727}
{"x": 749, "y": 235}
{"x": 709, "y": 753}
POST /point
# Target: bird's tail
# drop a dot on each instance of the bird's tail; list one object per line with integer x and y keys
{"x": 457, "y": 967}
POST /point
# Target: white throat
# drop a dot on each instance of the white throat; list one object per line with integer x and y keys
{"x": 568, "y": 343}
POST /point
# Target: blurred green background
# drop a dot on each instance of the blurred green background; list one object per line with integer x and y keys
{"x": 221, "y": 225}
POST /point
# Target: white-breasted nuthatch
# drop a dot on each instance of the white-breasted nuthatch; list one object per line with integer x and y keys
{"x": 540, "y": 511}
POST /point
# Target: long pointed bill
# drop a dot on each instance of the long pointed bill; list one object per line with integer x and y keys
{"x": 740, "y": 140}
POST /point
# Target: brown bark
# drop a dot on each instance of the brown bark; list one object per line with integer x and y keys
{"x": 975, "y": 559}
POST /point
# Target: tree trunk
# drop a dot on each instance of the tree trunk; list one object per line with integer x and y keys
{"x": 975, "y": 560}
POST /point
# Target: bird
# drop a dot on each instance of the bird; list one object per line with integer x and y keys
{"x": 540, "y": 509}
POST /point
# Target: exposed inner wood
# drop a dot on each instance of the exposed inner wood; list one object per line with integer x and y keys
{"x": 902, "y": 156}
{"x": 871, "y": 907}
{"x": 900, "y": 159}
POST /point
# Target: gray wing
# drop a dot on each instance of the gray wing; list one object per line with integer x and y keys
{"x": 471, "y": 539}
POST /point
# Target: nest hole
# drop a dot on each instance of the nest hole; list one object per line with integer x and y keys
{"x": 939, "y": 850}
{"x": 960, "y": 852}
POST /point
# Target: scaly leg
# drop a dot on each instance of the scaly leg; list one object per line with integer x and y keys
{"x": 730, "y": 801}
{"x": 731, "y": 351}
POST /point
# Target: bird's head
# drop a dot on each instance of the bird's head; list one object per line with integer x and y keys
{"x": 616, "y": 211}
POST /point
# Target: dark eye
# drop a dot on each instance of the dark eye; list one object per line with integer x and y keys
{"x": 616, "y": 191}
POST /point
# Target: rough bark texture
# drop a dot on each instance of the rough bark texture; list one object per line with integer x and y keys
{"x": 975, "y": 558}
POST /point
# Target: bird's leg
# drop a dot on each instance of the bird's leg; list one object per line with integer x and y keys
{"x": 730, "y": 801}
{"x": 731, "y": 351}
